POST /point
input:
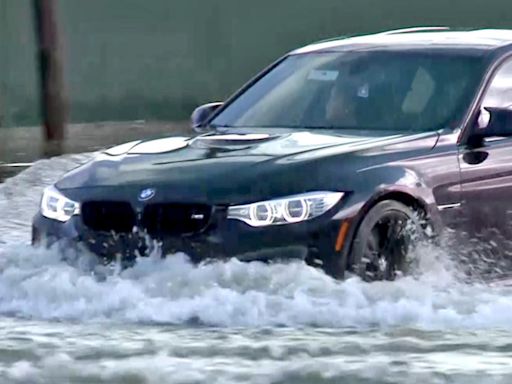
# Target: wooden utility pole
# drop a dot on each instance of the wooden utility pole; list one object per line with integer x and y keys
{"x": 52, "y": 102}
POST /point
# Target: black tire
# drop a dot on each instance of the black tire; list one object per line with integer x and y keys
{"x": 383, "y": 241}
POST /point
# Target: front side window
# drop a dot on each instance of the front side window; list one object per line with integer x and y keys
{"x": 387, "y": 90}
{"x": 498, "y": 94}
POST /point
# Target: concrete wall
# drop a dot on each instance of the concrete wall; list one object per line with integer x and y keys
{"x": 17, "y": 64}
{"x": 157, "y": 59}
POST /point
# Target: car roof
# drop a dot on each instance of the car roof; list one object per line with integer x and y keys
{"x": 418, "y": 38}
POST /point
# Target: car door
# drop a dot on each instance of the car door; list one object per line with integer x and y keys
{"x": 486, "y": 170}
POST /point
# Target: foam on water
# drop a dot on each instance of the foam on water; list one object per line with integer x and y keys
{"x": 36, "y": 284}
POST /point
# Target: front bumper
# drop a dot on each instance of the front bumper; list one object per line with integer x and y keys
{"x": 313, "y": 241}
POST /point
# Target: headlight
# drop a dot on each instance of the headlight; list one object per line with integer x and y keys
{"x": 56, "y": 206}
{"x": 292, "y": 209}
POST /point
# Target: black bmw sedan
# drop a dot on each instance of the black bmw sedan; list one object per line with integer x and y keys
{"x": 331, "y": 155}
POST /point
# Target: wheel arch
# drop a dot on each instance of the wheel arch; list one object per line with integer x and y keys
{"x": 416, "y": 203}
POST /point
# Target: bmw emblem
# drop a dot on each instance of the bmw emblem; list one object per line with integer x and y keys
{"x": 147, "y": 194}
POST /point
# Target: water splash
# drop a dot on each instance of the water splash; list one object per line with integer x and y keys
{"x": 36, "y": 284}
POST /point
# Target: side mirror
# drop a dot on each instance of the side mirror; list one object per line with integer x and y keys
{"x": 201, "y": 114}
{"x": 493, "y": 122}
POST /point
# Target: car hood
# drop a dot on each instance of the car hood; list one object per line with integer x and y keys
{"x": 218, "y": 163}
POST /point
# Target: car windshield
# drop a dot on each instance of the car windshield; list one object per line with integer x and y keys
{"x": 378, "y": 90}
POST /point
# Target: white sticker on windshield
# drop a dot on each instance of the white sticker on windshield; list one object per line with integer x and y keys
{"x": 316, "y": 74}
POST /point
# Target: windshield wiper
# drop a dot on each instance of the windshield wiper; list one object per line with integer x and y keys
{"x": 215, "y": 126}
{"x": 304, "y": 127}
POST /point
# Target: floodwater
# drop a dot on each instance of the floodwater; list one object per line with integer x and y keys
{"x": 167, "y": 321}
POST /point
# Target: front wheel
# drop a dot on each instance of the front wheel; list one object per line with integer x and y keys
{"x": 383, "y": 241}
